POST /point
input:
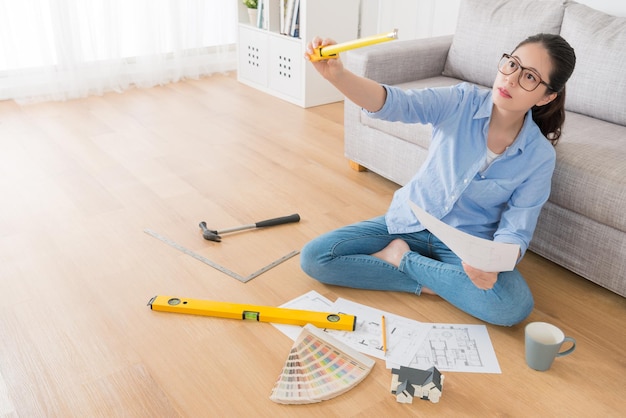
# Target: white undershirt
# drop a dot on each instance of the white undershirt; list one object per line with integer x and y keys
{"x": 490, "y": 157}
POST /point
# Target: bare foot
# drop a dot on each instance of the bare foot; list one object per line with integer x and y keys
{"x": 427, "y": 291}
{"x": 393, "y": 252}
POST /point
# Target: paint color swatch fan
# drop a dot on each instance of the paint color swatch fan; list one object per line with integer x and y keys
{"x": 319, "y": 368}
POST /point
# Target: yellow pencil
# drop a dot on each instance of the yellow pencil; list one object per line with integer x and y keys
{"x": 384, "y": 331}
{"x": 332, "y": 51}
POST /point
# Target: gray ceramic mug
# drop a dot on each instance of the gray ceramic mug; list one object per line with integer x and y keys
{"x": 543, "y": 345}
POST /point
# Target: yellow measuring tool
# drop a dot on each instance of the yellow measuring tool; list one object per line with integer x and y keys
{"x": 300, "y": 317}
{"x": 332, "y": 51}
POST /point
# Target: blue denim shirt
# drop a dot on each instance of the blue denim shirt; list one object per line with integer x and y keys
{"x": 501, "y": 203}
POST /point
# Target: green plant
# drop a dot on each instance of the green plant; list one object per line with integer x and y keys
{"x": 250, "y": 4}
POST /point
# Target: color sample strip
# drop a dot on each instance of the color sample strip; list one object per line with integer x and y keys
{"x": 318, "y": 368}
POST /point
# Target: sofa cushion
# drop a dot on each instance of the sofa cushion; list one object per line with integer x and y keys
{"x": 598, "y": 86}
{"x": 590, "y": 174}
{"x": 487, "y": 28}
{"x": 411, "y": 132}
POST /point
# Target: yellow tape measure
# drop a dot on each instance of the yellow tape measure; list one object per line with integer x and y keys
{"x": 273, "y": 314}
{"x": 332, "y": 51}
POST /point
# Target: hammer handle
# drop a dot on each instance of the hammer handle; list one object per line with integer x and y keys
{"x": 268, "y": 222}
{"x": 279, "y": 221}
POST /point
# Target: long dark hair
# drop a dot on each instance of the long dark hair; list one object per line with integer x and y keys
{"x": 550, "y": 117}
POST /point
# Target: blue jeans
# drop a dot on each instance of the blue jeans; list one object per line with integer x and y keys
{"x": 342, "y": 257}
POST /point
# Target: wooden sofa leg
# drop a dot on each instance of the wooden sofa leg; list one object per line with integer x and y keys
{"x": 356, "y": 166}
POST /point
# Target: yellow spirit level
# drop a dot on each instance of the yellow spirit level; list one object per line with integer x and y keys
{"x": 300, "y": 317}
{"x": 332, "y": 51}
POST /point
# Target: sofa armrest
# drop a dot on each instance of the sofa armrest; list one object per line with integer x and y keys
{"x": 400, "y": 61}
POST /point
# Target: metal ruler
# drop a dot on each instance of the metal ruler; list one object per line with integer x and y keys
{"x": 217, "y": 266}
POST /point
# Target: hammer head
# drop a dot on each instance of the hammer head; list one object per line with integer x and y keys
{"x": 209, "y": 235}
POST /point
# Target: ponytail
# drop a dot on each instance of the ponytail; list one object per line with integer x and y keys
{"x": 550, "y": 118}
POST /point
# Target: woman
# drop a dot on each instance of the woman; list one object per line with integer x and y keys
{"x": 488, "y": 173}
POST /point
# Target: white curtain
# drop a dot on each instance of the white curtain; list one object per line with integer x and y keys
{"x": 64, "y": 49}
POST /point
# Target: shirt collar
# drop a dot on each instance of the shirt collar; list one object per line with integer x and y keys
{"x": 484, "y": 109}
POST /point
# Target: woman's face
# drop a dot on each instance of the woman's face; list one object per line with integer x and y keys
{"x": 509, "y": 95}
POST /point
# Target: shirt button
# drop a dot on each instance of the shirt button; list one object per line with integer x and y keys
{"x": 465, "y": 181}
{"x": 482, "y": 177}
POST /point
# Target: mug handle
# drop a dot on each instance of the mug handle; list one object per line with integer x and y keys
{"x": 569, "y": 350}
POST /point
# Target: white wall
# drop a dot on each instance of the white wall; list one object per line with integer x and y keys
{"x": 413, "y": 18}
{"x": 424, "y": 18}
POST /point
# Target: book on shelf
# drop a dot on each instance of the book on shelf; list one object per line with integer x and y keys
{"x": 271, "y": 15}
{"x": 288, "y": 15}
{"x": 259, "y": 15}
{"x": 295, "y": 20}
{"x": 280, "y": 16}
{"x": 282, "y": 11}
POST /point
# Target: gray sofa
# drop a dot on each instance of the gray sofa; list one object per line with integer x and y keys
{"x": 583, "y": 225}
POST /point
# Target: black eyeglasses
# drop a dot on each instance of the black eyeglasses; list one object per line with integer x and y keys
{"x": 528, "y": 79}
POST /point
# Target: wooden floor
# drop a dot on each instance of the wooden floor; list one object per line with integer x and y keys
{"x": 80, "y": 182}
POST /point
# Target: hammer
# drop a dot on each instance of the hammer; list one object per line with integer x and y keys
{"x": 214, "y": 235}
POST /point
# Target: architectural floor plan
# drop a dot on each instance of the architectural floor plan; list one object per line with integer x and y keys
{"x": 420, "y": 345}
{"x": 449, "y": 347}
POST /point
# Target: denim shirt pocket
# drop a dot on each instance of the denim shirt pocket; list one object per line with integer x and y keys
{"x": 489, "y": 193}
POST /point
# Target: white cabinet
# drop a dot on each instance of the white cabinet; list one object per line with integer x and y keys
{"x": 275, "y": 63}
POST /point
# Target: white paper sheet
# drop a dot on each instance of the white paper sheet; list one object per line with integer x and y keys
{"x": 449, "y": 347}
{"x": 403, "y": 334}
{"x": 479, "y": 253}
{"x": 457, "y": 348}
